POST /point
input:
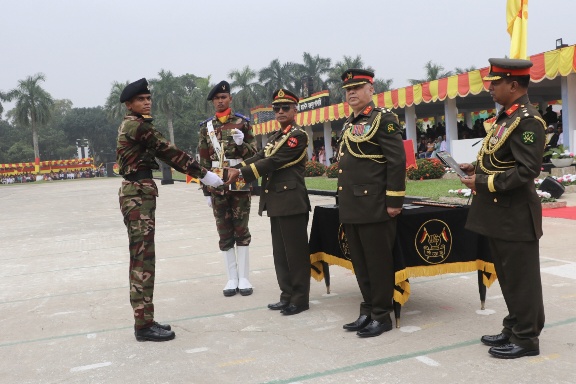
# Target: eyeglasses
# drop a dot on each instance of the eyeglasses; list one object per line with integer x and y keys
{"x": 285, "y": 108}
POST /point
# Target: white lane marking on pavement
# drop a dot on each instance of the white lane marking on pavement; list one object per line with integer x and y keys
{"x": 61, "y": 313}
{"x": 314, "y": 302}
{"x": 566, "y": 270}
{"x": 560, "y": 285}
{"x": 560, "y": 260}
{"x": 329, "y": 294}
{"x": 196, "y": 350}
{"x": 465, "y": 277}
{"x": 410, "y": 329}
{"x": 416, "y": 312}
{"x": 324, "y": 328}
{"x": 495, "y": 297}
{"x": 485, "y": 312}
{"x": 428, "y": 361}
{"x": 91, "y": 366}
{"x": 214, "y": 262}
{"x": 186, "y": 246}
{"x": 251, "y": 328}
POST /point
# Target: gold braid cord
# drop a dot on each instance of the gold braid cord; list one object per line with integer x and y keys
{"x": 272, "y": 150}
{"x": 348, "y": 137}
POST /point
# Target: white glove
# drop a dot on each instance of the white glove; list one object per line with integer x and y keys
{"x": 212, "y": 180}
{"x": 209, "y": 201}
{"x": 238, "y": 137}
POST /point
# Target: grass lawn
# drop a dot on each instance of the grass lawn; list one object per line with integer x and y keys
{"x": 424, "y": 188}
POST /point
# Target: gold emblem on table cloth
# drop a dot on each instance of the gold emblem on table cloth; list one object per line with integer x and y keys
{"x": 433, "y": 241}
{"x": 343, "y": 243}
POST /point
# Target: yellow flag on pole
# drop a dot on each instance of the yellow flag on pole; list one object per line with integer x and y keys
{"x": 517, "y": 21}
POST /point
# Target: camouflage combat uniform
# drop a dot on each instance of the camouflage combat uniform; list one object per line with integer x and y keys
{"x": 231, "y": 209}
{"x": 137, "y": 146}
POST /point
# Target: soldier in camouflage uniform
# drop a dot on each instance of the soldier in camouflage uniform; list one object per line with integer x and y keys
{"x": 233, "y": 138}
{"x": 137, "y": 145}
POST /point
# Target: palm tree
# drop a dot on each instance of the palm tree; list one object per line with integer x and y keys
{"x": 2, "y": 98}
{"x": 459, "y": 70}
{"x": 168, "y": 92}
{"x": 197, "y": 96}
{"x": 277, "y": 76}
{"x": 114, "y": 109}
{"x": 382, "y": 85}
{"x": 247, "y": 96}
{"x": 33, "y": 106}
{"x": 433, "y": 72}
{"x": 334, "y": 80}
{"x": 314, "y": 68}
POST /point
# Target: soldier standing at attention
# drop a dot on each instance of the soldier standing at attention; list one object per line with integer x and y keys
{"x": 227, "y": 138}
{"x": 371, "y": 189}
{"x": 285, "y": 198}
{"x": 506, "y": 207}
{"x": 137, "y": 145}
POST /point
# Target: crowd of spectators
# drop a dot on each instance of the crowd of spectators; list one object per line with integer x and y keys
{"x": 28, "y": 177}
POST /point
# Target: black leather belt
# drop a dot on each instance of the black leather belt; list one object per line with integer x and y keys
{"x": 139, "y": 175}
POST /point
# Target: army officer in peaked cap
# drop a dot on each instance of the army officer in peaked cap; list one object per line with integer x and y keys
{"x": 507, "y": 209}
{"x": 137, "y": 146}
{"x": 285, "y": 198}
{"x": 371, "y": 189}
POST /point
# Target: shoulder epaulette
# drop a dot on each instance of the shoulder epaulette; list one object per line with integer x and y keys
{"x": 205, "y": 121}
{"x": 242, "y": 116}
{"x": 383, "y": 110}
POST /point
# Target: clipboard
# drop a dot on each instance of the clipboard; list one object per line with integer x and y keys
{"x": 449, "y": 161}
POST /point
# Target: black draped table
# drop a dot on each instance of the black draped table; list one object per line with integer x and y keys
{"x": 430, "y": 241}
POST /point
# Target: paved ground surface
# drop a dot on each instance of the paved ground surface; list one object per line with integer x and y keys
{"x": 65, "y": 315}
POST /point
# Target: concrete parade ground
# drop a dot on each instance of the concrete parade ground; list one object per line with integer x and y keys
{"x": 65, "y": 315}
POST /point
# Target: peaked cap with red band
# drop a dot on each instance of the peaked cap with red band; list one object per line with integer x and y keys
{"x": 355, "y": 76}
{"x": 283, "y": 96}
{"x": 502, "y": 68}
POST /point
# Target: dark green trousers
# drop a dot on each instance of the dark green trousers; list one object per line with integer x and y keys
{"x": 291, "y": 257}
{"x": 517, "y": 265}
{"x": 371, "y": 254}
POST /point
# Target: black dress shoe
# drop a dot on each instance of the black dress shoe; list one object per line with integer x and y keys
{"x": 230, "y": 292}
{"x": 154, "y": 333}
{"x": 375, "y": 328}
{"x": 246, "y": 291}
{"x": 293, "y": 309}
{"x": 495, "y": 340}
{"x": 166, "y": 327}
{"x": 357, "y": 325}
{"x": 512, "y": 351}
{"x": 279, "y": 305}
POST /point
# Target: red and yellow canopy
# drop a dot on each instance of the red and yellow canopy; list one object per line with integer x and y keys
{"x": 547, "y": 65}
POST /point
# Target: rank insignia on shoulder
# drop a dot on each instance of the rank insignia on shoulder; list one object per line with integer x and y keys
{"x": 147, "y": 117}
{"x": 528, "y": 137}
{"x": 292, "y": 142}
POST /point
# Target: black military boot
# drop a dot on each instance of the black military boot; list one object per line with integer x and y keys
{"x": 154, "y": 333}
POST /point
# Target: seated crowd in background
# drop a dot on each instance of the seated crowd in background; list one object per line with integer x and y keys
{"x": 27, "y": 177}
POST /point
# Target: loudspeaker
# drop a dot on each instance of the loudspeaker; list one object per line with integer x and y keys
{"x": 553, "y": 187}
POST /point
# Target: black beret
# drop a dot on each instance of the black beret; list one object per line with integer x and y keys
{"x": 221, "y": 87}
{"x": 355, "y": 76}
{"x": 284, "y": 96}
{"x": 139, "y": 87}
{"x": 500, "y": 68}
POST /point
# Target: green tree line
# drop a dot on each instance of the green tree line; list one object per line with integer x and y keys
{"x": 179, "y": 106}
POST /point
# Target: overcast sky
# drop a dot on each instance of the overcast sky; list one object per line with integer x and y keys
{"x": 83, "y": 46}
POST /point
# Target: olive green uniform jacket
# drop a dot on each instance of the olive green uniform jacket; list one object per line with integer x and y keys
{"x": 506, "y": 205}
{"x": 372, "y": 167}
{"x": 281, "y": 165}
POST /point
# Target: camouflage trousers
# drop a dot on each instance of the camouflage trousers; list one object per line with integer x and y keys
{"x": 139, "y": 218}
{"x": 232, "y": 211}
